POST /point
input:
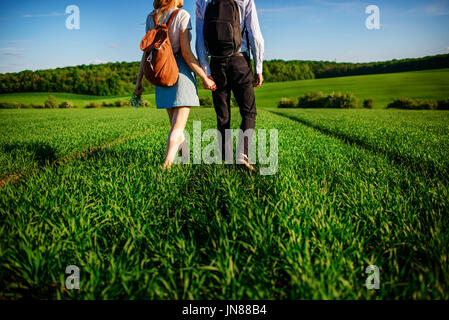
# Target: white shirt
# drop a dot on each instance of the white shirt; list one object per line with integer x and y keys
{"x": 248, "y": 18}
{"x": 181, "y": 22}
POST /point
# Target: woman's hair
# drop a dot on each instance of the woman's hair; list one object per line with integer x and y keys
{"x": 164, "y": 6}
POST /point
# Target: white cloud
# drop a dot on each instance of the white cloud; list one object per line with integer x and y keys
{"x": 15, "y": 41}
{"x": 115, "y": 45}
{"x": 11, "y": 67}
{"x": 97, "y": 61}
{"x": 290, "y": 9}
{"x": 437, "y": 9}
{"x": 345, "y": 6}
{"x": 14, "y": 53}
{"x": 433, "y": 9}
{"x": 53, "y": 14}
{"x": 262, "y": 10}
{"x": 11, "y": 49}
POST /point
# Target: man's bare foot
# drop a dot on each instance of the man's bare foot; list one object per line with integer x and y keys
{"x": 244, "y": 161}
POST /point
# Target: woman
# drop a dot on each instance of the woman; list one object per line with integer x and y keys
{"x": 177, "y": 100}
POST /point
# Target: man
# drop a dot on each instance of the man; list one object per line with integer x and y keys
{"x": 234, "y": 74}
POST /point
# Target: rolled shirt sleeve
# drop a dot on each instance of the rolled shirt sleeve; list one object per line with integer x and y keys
{"x": 256, "y": 40}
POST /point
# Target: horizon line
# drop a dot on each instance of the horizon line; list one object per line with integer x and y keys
{"x": 271, "y": 60}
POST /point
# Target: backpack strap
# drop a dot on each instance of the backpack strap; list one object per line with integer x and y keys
{"x": 245, "y": 32}
{"x": 156, "y": 23}
{"x": 170, "y": 21}
{"x": 172, "y": 17}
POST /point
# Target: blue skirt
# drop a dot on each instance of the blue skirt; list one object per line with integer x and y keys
{"x": 184, "y": 93}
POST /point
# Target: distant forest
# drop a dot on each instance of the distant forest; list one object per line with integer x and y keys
{"x": 114, "y": 79}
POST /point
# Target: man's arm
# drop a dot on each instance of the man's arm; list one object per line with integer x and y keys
{"x": 256, "y": 41}
{"x": 201, "y": 50}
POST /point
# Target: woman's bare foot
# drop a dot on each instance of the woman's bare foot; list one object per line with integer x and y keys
{"x": 169, "y": 163}
{"x": 167, "y": 167}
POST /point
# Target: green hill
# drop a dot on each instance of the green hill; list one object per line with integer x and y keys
{"x": 115, "y": 79}
{"x": 382, "y": 88}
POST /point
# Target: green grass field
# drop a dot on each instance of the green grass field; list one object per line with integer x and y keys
{"x": 354, "y": 188}
{"x": 77, "y": 99}
{"x": 382, "y": 88}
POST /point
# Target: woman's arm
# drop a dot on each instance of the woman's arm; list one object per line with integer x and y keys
{"x": 193, "y": 63}
{"x": 201, "y": 50}
{"x": 139, "y": 88}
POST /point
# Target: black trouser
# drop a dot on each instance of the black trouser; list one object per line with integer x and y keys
{"x": 234, "y": 74}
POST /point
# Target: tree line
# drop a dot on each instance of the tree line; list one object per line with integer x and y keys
{"x": 113, "y": 79}
{"x": 338, "y": 100}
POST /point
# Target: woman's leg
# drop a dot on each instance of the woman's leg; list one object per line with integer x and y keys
{"x": 183, "y": 146}
{"x": 176, "y": 137}
{"x": 170, "y": 113}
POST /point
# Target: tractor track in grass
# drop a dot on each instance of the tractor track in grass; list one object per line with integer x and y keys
{"x": 212, "y": 232}
{"x": 426, "y": 168}
{"x": 17, "y": 177}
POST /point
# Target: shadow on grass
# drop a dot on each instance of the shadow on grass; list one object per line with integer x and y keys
{"x": 427, "y": 168}
{"x": 43, "y": 153}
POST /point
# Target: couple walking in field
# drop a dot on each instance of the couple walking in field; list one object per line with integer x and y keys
{"x": 227, "y": 31}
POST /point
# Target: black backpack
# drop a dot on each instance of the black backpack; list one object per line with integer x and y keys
{"x": 222, "y": 34}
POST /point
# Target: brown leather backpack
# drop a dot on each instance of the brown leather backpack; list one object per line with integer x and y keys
{"x": 160, "y": 67}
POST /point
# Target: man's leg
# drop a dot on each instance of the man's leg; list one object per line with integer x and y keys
{"x": 242, "y": 86}
{"x": 222, "y": 101}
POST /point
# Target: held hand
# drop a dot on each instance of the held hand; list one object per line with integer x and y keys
{"x": 258, "y": 78}
{"x": 138, "y": 89}
{"x": 209, "y": 84}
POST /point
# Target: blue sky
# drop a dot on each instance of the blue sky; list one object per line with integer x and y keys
{"x": 34, "y": 36}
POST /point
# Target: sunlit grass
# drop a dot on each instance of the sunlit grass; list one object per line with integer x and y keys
{"x": 335, "y": 207}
